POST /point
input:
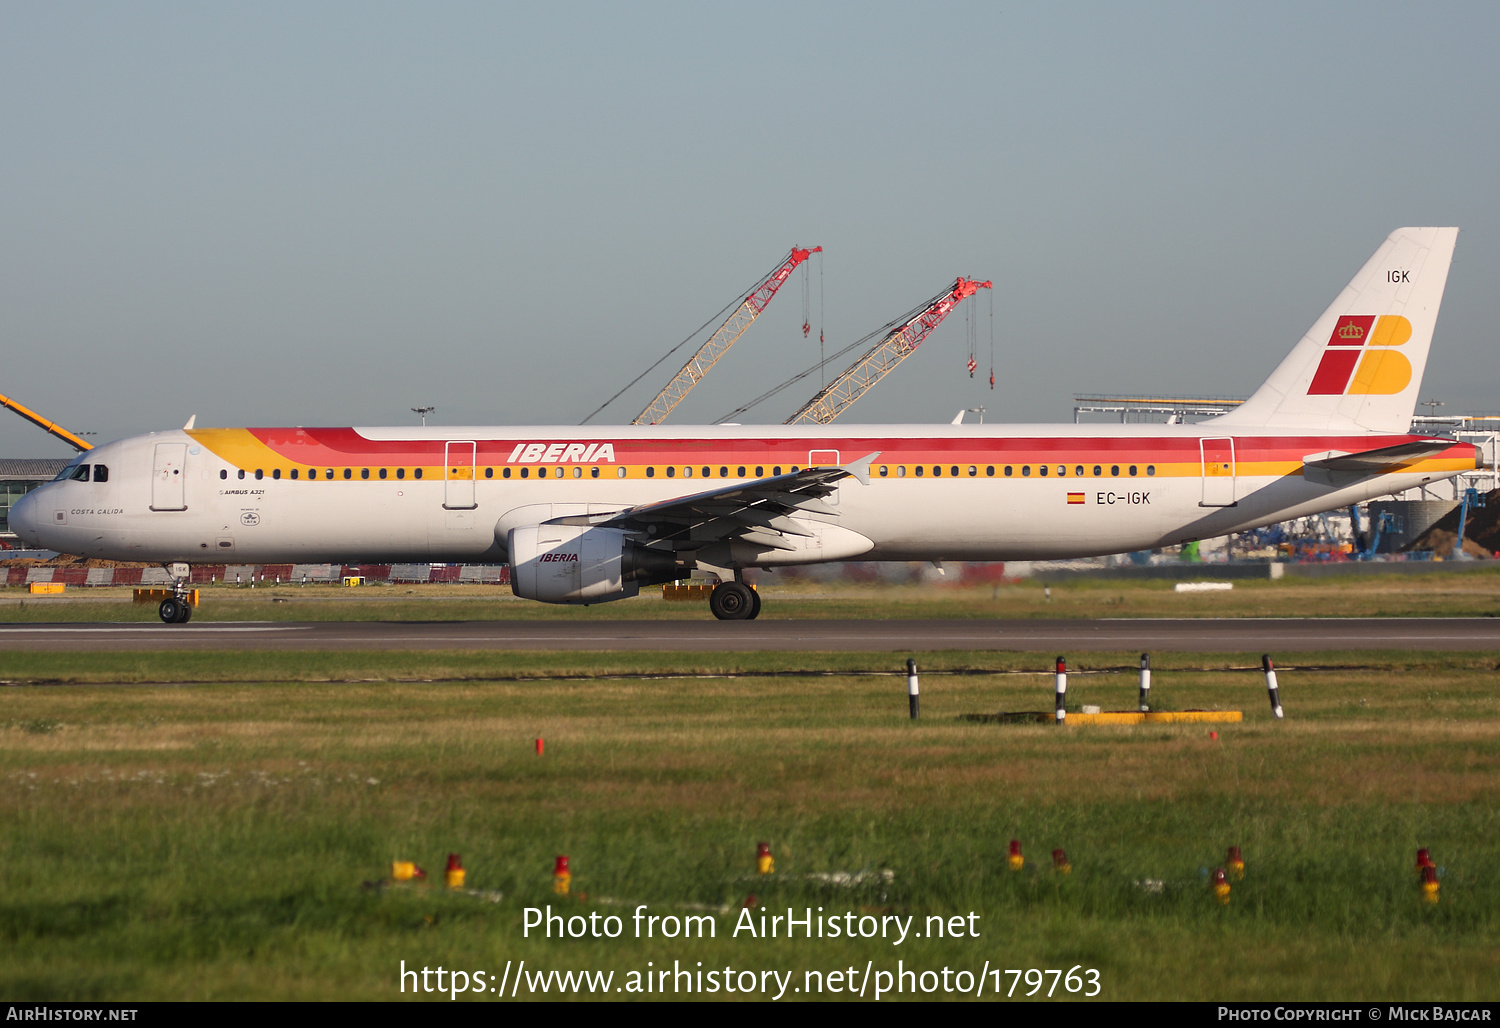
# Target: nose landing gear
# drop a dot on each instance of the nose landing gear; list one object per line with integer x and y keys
{"x": 177, "y": 609}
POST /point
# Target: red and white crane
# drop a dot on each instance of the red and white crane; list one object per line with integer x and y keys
{"x": 881, "y": 359}
{"x": 719, "y": 343}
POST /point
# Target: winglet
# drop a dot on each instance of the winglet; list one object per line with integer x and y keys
{"x": 190, "y": 422}
{"x": 860, "y": 469}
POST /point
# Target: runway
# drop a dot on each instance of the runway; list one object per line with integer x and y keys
{"x": 1207, "y": 635}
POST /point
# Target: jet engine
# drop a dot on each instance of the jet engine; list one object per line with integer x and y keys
{"x": 578, "y": 564}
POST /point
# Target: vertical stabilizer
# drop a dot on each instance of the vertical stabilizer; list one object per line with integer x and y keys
{"x": 1359, "y": 368}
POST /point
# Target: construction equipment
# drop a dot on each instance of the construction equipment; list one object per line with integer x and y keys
{"x": 48, "y": 426}
{"x": 1472, "y": 498}
{"x": 881, "y": 359}
{"x": 719, "y": 343}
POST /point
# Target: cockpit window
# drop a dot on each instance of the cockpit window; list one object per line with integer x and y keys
{"x": 68, "y": 472}
{"x": 101, "y": 472}
{"x": 80, "y": 473}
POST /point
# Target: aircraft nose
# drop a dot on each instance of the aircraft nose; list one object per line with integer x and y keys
{"x": 24, "y": 519}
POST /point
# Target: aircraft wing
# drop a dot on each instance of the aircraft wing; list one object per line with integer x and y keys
{"x": 1372, "y": 462}
{"x": 758, "y": 511}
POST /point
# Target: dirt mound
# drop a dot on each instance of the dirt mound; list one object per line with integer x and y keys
{"x": 1481, "y": 530}
{"x": 65, "y": 560}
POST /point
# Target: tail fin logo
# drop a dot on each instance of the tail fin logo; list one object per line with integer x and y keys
{"x": 1381, "y": 371}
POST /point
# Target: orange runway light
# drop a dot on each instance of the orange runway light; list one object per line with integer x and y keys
{"x": 1016, "y": 861}
{"x": 1235, "y": 863}
{"x": 403, "y": 870}
{"x": 1221, "y": 886}
{"x": 454, "y": 875}
{"x": 1430, "y": 884}
{"x": 562, "y": 878}
{"x": 1060, "y": 862}
{"x": 764, "y": 863}
{"x": 539, "y": 747}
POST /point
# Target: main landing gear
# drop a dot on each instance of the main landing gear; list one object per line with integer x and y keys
{"x": 734, "y": 601}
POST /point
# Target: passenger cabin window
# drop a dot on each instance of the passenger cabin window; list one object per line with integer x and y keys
{"x": 101, "y": 472}
{"x": 223, "y": 472}
{"x": 400, "y": 472}
{"x": 275, "y": 474}
{"x": 883, "y": 471}
{"x": 1150, "y": 469}
{"x": 382, "y": 472}
{"x": 1042, "y": 470}
{"x": 294, "y": 474}
{"x": 900, "y": 470}
{"x": 241, "y": 474}
{"x": 1026, "y": 471}
{"x": 417, "y": 473}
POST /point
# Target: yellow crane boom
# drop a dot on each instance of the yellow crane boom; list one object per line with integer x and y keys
{"x": 47, "y": 426}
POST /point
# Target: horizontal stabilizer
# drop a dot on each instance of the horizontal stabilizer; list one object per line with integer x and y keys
{"x": 1382, "y": 459}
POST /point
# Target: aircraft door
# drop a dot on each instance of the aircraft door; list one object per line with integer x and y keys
{"x": 458, "y": 470}
{"x": 1217, "y": 456}
{"x": 826, "y": 459}
{"x": 168, "y": 477}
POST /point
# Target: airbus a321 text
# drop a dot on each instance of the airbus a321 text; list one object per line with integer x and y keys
{"x": 588, "y": 515}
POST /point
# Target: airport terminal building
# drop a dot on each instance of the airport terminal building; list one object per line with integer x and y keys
{"x": 18, "y": 476}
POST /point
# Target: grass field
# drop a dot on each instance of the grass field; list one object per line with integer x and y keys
{"x": 207, "y": 834}
{"x": 1470, "y": 593}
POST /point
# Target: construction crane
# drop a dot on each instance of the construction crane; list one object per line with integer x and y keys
{"x": 699, "y": 363}
{"x": 881, "y": 359}
{"x": 53, "y": 427}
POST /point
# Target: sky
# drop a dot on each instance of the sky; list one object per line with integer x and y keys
{"x": 329, "y": 213}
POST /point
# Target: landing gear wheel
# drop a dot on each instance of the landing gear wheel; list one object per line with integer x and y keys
{"x": 175, "y": 612}
{"x": 733, "y": 601}
{"x": 755, "y": 605}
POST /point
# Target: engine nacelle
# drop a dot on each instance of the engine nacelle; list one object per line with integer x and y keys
{"x": 578, "y": 564}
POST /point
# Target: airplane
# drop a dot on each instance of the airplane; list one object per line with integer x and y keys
{"x": 588, "y": 515}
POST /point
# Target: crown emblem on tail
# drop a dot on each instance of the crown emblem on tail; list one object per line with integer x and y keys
{"x": 1351, "y": 332}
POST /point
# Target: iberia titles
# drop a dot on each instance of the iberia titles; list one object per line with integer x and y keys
{"x": 561, "y": 453}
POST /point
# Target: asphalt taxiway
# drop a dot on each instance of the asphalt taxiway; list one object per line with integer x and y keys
{"x": 1207, "y": 635}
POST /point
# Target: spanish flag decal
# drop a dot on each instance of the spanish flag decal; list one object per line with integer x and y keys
{"x": 1075, "y": 497}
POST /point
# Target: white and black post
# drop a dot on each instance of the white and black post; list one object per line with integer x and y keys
{"x": 1271, "y": 689}
{"x": 1061, "y": 714}
{"x": 1145, "y": 683}
{"x": 913, "y": 699}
